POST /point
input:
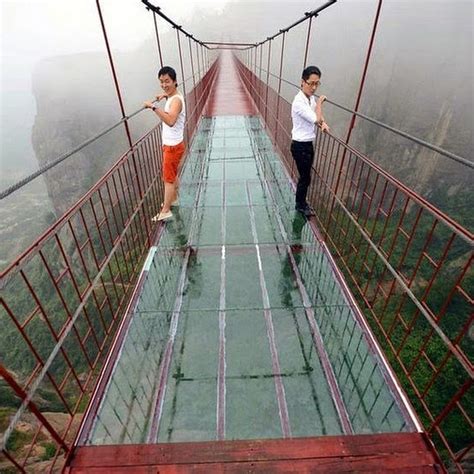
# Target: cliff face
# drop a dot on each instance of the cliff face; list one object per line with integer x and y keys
{"x": 413, "y": 104}
{"x": 76, "y": 99}
{"x": 411, "y": 85}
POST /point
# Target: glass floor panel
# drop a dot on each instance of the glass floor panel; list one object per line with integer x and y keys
{"x": 242, "y": 330}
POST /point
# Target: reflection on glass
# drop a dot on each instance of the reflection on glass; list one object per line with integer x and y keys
{"x": 192, "y": 384}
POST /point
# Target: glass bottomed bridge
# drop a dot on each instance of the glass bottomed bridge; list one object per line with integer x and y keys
{"x": 242, "y": 319}
{"x": 242, "y": 328}
{"x": 236, "y": 336}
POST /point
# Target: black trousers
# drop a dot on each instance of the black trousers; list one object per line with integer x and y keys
{"x": 303, "y": 154}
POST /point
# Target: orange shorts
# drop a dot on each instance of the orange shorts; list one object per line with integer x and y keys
{"x": 171, "y": 158}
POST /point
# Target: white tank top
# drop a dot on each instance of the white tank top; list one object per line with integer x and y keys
{"x": 174, "y": 135}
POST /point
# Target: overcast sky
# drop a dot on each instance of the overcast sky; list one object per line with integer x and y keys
{"x": 35, "y": 29}
{"x": 49, "y": 27}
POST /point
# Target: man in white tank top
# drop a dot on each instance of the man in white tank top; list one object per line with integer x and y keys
{"x": 173, "y": 117}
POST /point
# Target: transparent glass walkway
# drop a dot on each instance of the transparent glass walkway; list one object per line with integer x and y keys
{"x": 242, "y": 330}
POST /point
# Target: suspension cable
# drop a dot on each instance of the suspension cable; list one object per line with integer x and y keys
{"x": 441, "y": 151}
{"x": 51, "y": 164}
{"x": 158, "y": 11}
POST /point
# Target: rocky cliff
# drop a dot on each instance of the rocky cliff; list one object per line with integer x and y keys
{"x": 76, "y": 99}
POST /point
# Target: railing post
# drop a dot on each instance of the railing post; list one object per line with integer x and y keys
{"x": 158, "y": 39}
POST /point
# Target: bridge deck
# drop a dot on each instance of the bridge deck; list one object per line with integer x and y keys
{"x": 229, "y": 96}
{"x": 243, "y": 329}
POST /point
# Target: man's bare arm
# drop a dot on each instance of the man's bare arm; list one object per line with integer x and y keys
{"x": 170, "y": 117}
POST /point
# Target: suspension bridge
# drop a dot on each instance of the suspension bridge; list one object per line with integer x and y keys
{"x": 240, "y": 336}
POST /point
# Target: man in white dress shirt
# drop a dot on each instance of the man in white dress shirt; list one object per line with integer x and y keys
{"x": 306, "y": 113}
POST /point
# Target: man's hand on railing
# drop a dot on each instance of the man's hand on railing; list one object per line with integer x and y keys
{"x": 321, "y": 99}
{"x": 324, "y": 127}
{"x": 160, "y": 97}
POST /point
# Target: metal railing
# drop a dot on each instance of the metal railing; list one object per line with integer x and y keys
{"x": 64, "y": 298}
{"x": 408, "y": 265}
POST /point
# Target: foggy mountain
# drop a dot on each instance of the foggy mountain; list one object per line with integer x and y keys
{"x": 420, "y": 80}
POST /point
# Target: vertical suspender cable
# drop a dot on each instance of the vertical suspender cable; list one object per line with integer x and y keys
{"x": 192, "y": 63}
{"x": 122, "y": 109}
{"x": 268, "y": 77}
{"x": 158, "y": 39}
{"x": 279, "y": 76}
{"x": 199, "y": 62}
{"x": 307, "y": 42}
{"x": 364, "y": 73}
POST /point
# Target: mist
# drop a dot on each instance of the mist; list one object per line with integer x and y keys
{"x": 57, "y": 89}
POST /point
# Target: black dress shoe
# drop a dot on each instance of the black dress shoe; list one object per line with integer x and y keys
{"x": 305, "y": 210}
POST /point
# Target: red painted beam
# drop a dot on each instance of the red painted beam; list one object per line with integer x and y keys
{"x": 405, "y": 452}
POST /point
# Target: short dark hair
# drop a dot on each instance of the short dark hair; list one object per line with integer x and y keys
{"x": 167, "y": 70}
{"x": 310, "y": 70}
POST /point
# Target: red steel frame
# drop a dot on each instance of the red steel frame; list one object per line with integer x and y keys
{"x": 394, "y": 248}
{"x": 77, "y": 280}
{"x": 396, "y": 251}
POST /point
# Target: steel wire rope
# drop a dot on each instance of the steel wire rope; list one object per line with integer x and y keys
{"x": 419, "y": 141}
{"x": 51, "y": 164}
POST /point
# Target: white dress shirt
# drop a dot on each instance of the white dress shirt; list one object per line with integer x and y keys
{"x": 303, "y": 115}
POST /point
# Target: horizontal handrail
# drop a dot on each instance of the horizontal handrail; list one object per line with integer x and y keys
{"x": 51, "y": 164}
{"x": 419, "y": 141}
{"x": 459, "y": 230}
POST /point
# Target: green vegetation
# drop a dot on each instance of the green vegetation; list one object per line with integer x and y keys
{"x": 94, "y": 328}
{"x": 5, "y": 414}
{"x": 410, "y": 343}
{"x": 18, "y": 439}
{"x": 50, "y": 451}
